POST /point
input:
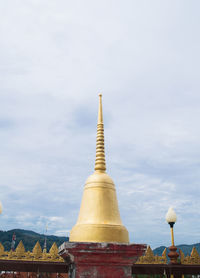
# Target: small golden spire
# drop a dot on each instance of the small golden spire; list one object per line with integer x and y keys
{"x": 100, "y": 163}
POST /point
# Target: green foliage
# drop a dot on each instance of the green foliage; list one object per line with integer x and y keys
{"x": 29, "y": 239}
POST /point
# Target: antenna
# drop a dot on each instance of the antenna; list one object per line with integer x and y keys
{"x": 45, "y": 238}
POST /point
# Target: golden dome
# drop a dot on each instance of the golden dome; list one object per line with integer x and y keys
{"x": 99, "y": 219}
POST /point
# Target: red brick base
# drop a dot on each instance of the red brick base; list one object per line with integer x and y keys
{"x": 101, "y": 260}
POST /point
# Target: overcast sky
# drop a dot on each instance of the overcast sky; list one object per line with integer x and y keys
{"x": 144, "y": 57}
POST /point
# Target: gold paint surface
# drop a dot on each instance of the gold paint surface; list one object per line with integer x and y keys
{"x": 36, "y": 255}
{"x": 99, "y": 218}
{"x": 193, "y": 259}
{"x": 172, "y": 236}
{"x": 150, "y": 258}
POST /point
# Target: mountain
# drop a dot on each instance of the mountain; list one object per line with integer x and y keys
{"x": 29, "y": 239}
{"x": 184, "y": 247}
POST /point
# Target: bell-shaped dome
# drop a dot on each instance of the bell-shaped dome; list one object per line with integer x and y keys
{"x": 99, "y": 218}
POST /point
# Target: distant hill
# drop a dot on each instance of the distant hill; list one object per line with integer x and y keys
{"x": 184, "y": 247}
{"x": 29, "y": 239}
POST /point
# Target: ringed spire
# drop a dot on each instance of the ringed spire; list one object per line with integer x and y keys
{"x": 100, "y": 162}
{"x": 99, "y": 218}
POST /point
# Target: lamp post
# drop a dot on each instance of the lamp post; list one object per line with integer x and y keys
{"x": 171, "y": 219}
{"x": 0, "y": 208}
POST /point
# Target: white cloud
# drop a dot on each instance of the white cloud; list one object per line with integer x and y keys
{"x": 144, "y": 56}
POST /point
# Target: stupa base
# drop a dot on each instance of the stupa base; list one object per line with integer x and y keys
{"x": 99, "y": 233}
{"x": 101, "y": 260}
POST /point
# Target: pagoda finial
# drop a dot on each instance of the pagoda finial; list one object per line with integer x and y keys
{"x": 100, "y": 113}
{"x": 100, "y": 163}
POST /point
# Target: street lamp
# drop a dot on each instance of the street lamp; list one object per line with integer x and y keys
{"x": 0, "y": 208}
{"x": 171, "y": 219}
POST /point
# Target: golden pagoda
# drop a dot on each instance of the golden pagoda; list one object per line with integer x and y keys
{"x": 99, "y": 219}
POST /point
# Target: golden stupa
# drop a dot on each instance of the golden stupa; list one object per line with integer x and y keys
{"x": 99, "y": 219}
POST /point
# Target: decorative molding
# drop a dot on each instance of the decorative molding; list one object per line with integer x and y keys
{"x": 193, "y": 259}
{"x": 150, "y": 258}
{"x": 36, "y": 255}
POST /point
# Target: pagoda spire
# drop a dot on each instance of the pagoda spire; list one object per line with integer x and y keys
{"x": 99, "y": 218}
{"x": 100, "y": 163}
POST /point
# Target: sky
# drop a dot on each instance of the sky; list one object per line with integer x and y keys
{"x": 143, "y": 56}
